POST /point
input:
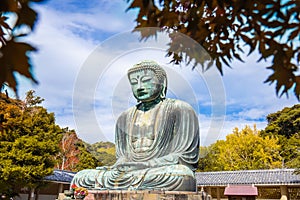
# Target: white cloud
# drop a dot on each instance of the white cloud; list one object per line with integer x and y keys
{"x": 98, "y": 17}
{"x": 252, "y": 113}
{"x": 210, "y": 132}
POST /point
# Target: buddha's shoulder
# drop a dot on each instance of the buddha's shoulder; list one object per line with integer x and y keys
{"x": 127, "y": 113}
{"x": 176, "y": 103}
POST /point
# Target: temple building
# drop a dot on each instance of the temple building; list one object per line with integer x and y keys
{"x": 269, "y": 184}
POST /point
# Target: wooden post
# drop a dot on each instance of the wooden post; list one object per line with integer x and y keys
{"x": 209, "y": 190}
{"x": 284, "y": 192}
{"x": 218, "y": 193}
{"x": 60, "y": 188}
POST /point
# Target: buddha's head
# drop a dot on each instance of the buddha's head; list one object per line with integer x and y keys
{"x": 148, "y": 81}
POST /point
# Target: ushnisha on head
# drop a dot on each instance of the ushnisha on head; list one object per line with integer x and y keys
{"x": 148, "y": 81}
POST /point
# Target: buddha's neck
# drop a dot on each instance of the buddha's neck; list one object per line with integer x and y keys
{"x": 145, "y": 106}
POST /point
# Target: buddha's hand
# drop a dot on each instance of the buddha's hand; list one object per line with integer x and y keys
{"x": 131, "y": 166}
{"x": 105, "y": 168}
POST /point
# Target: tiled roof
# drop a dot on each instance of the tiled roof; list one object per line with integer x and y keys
{"x": 256, "y": 177}
{"x": 60, "y": 176}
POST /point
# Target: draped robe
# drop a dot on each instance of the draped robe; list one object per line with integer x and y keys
{"x": 164, "y": 139}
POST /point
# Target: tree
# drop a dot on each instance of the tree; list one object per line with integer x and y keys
{"x": 87, "y": 159}
{"x": 28, "y": 143}
{"x": 208, "y": 158}
{"x": 67, "y": 158}
{"x": 285, "y": 124}
{"x": 293, "y": 160}
{"x": 73, "y": 154}
{"x": 10, "y": 45}
{"x": 104, "y": 152}
{"x": 223, "y": 27}
{"x": 242, "y": 150}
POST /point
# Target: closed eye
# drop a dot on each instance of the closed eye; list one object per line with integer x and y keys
{"x": 146, "y": 78}
{"x": 133, "y": 81}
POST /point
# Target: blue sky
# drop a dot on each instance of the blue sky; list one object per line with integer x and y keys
{"x": 85, "y": 49}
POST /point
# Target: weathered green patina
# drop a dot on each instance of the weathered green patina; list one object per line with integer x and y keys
{"x": 157, "y": 141}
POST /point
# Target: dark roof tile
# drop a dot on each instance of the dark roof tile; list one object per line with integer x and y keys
{"x": 60, "y": 176}
{"x": 257, "y": 177}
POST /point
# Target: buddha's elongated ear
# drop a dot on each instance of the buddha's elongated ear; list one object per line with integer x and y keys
{"x": 164, "y": 89}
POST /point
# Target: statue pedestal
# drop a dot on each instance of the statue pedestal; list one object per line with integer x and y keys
{"x": 145, "y": 195}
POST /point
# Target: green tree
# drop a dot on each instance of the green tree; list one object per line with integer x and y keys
{"x": 293, "y": 160}
{"x": 285, "y": 124}
{"x": 224, "y": 27}
{"x": 86, "y": 159}
{"x": 28, "y": 142}
{"x": 207, "y": 161}
{"x": 104, "y": 152}
{"x": 10, "y": 36}
{"x": 242, "y": 150}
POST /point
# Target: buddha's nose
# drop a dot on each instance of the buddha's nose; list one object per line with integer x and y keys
{"x": 140, "y": 86}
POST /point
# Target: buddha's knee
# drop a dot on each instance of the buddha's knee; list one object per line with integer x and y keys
{"x": 85, "y": 178}
{"x": 181, "y": 170}
{"x": 173, "y": 170}
{"x": 171, "y": 177}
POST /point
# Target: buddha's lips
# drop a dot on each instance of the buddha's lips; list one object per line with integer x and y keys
{"x": 141, "y": 93}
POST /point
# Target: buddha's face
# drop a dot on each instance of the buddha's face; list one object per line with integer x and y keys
{"x": 145, "y": 85}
